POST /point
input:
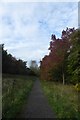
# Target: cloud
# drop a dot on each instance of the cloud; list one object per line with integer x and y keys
{"x": 25, "y": 28}
{"x": 39, "y": 0}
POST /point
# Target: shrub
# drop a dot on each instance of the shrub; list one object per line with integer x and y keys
{"x": 77, "y": 87}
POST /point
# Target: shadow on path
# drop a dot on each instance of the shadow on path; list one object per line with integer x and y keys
{"x": 37, "y": 105}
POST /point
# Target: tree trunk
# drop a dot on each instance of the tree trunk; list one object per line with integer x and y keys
{"x": 63, "y": 78}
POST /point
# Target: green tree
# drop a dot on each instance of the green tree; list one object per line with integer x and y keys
{"x": 74, "y": 58}
{"x": 11, "y": 65}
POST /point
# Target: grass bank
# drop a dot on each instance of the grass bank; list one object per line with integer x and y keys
{"x": 63, "y": 99}
{"x": 15, "y": 90}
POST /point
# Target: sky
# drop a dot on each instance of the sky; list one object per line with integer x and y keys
{"x": 26, "y": 27}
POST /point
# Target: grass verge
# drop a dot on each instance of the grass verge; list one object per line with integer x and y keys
{"x": 63, "y": 99}
{"x": 15, "y": 90}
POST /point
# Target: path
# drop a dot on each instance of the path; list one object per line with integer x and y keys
{"x": 37, "y": 105}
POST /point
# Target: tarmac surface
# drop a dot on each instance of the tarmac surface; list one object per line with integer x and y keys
{"x": 37, "y": 105}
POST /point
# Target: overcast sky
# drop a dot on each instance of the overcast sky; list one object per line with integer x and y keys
{"x": 26, "y": 28}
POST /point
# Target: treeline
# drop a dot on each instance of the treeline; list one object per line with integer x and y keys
{"x": 63, "y": 62}
{"x": 11, "y": 65}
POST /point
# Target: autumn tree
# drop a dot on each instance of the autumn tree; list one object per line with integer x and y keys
{"x": 53, "y": 66}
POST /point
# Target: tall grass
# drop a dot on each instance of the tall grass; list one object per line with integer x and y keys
{"x": 64, "y": 99}
{"x": 15, "y": 90}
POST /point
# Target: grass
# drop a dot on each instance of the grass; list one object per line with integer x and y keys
{"x": 64, "y": 99}
{"x": 15, "y": 90}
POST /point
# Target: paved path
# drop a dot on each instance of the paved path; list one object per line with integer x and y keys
{"x": 37, "y": 105}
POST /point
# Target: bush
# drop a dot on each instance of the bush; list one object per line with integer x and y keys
{"x": 77, "y": 87}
